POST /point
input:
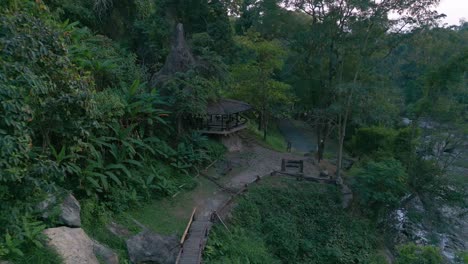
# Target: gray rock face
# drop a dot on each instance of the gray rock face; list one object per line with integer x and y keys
{"x": 70, "y": 212}
{"x": 105, "y": 254}
{"x": 413, "y": 223}
{"x": 72, "y": 244}
{"x": 46, "y": 206}
{"x": 148, "y": 247}
{"x": 405, "y": 229}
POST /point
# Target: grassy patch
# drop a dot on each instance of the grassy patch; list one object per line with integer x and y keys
{"x": 275, "y": 140}
{"x": 94, "y": 219}
{"x": 164, "y": 216}
{"x": 170, "y": 215}
{"x": 101, "y": 234}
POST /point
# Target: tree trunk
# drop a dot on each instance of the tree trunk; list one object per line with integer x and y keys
{"x": 265, "y": 126}
{"x": 340, "y": 153}
{"x": 343, "y": 123}
{"x": 321, "y": 150}
{"x": 322, "y": 134}
{"x": 179, "y": 126}
{"x": 260, "y": 120}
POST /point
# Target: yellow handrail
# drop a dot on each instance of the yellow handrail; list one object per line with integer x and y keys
{"x": 182, "y": 240}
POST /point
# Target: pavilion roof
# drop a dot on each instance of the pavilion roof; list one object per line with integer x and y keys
{"x": 227, "y": 107}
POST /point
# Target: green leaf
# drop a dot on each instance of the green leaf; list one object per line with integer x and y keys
{"x": 113, "y": 177}
{"x": 134, "y": 162}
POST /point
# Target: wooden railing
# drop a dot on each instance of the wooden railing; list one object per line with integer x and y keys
{"x": 224, "y": 208}
{"x": 221, "y": 123}
{"x": 192, "y": 218}
{"x": 185, "y": 234}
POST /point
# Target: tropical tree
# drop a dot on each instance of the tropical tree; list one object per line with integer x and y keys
{"x": 254, "y": 79}
{"x": 352, "y": 41}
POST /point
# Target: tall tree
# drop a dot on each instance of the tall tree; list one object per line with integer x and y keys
{"x": 254, "y": 80}
{"x": 353, "y": 42}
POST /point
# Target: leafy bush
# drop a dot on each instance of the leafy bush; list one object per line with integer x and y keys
{"x": 427, "y": 176}
{"x": 74, "y": 115}
{"x": 369, "y": 140}
{"x": 38, "y": 255}
{"x": 405, "y": 144}
{"x": 214, "y": 149}
{"x": 383, "y": 142}
{"x": 462, "y": 257}
{"x": 237, "y": 246}
{"x": 297, "y": 223}
{"x": 414, "y": 254}
{"x": 43, "y": 100}
{"x": 380, "y": 185}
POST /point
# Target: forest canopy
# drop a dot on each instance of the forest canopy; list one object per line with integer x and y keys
{"x": 80, "y": 111}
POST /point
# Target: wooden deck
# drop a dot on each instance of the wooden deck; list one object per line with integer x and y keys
{"x": 223, "y": 132}
{"x": 220, "y": 124}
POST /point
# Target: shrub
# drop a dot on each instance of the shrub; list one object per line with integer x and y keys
{"x": 74, "y": 115}
{"x": 368, "y": 140}
{"x": 382, "y": 142}
{"x": 414, "y": 254}
{"x": 237, "y": 247}
{"x": 295, "y": 223}
{"x": 380, "y": 185}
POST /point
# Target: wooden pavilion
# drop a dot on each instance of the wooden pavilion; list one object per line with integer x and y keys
{"x": 223, "y": 117}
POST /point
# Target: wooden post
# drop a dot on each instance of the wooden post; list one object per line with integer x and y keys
{"x": 222, "y": 222}
{"x": 222, "y": 122}
{"x": 283, "y": 165}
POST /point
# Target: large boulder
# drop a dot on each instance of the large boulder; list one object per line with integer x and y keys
{"x": 46, "y": 207}
{"x": 149, "y": 247}
{"x": 68, "y": 210}
{"x": 72, "y": 244}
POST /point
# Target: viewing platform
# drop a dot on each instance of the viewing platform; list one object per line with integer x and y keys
{"x": 223, "y": 117}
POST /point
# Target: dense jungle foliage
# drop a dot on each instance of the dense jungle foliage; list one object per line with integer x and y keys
{"x": 285, "y": 221}
{"x": 79, "y": 113}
